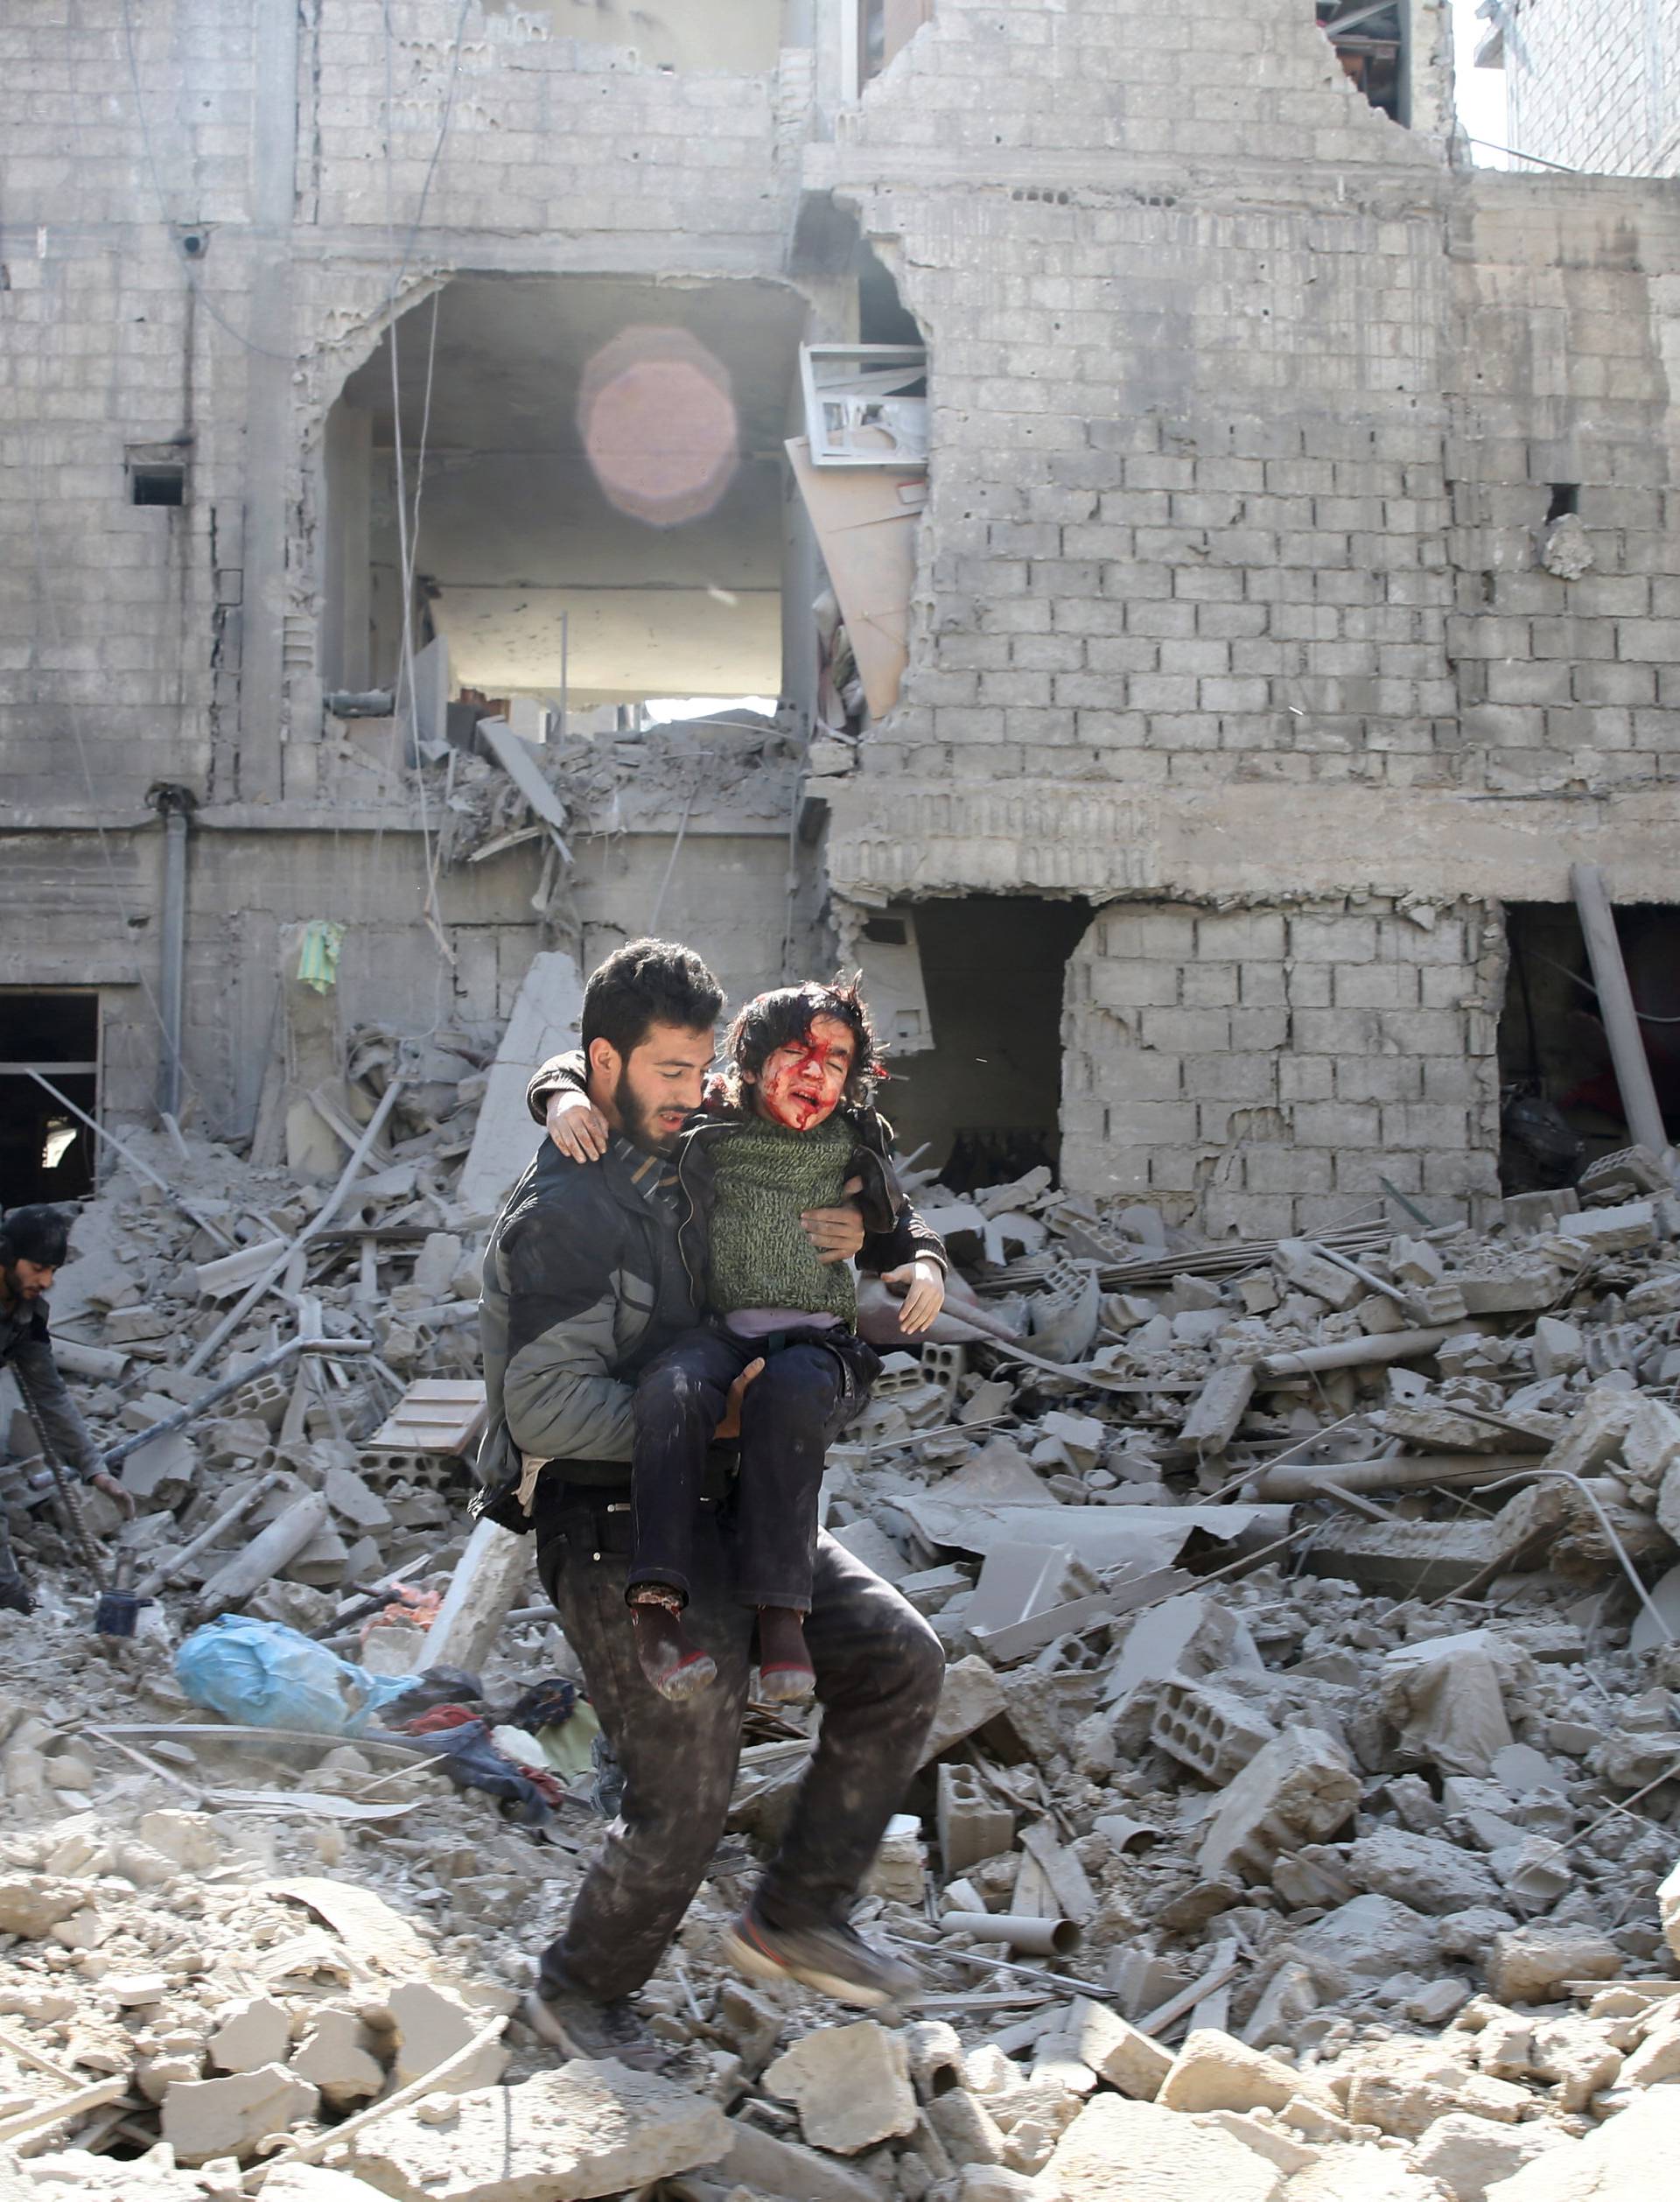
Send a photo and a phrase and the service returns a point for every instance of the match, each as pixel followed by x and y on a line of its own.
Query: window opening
pixel 1560 1107
pixel 1566 499
pixel 157 483
pixel 45 1154
pixel 1369 37
pixel 883 28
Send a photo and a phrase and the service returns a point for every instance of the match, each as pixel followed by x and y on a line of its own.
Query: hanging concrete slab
pixel 545 1021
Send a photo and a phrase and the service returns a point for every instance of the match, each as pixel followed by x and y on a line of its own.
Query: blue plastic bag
pixel 263 1674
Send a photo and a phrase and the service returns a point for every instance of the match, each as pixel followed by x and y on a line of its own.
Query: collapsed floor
pixel 1301 1816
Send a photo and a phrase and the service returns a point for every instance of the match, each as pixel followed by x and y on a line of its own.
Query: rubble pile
pixel 1300 1819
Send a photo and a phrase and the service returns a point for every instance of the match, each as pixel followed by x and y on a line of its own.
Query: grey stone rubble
pixel 1319 1843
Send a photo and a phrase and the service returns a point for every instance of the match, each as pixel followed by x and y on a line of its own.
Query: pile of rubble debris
pixel 1300 1820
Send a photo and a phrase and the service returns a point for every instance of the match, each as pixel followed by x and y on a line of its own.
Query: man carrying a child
pixel 592 1276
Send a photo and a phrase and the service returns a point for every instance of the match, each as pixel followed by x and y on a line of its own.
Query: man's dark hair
pixel 644 984
pixel 39 1234
pixel 785 1013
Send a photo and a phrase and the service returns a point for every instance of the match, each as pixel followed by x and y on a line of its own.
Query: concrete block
pixel 1116 2052
pixel 972 1826
pixel 851 2085
pixel 584 2130
pixel 1613 1230
pixel 1299 1789
pixel 1212 1731
pixel 1302 1270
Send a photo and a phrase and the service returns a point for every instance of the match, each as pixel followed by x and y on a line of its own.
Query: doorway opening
pixel 45 1154
pixel 1560 1107
pixel 985 1099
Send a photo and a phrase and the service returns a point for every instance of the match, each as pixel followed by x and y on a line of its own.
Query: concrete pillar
pixel 267 398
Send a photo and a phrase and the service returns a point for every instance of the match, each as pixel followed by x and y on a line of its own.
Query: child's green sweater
pixel 766 1176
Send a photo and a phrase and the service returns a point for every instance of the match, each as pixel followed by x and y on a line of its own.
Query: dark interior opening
pixel 986 1098
pixel 1560 1106
pixel 1369 37
pixel 157 484
pixel 44 1153
pixel 1565 498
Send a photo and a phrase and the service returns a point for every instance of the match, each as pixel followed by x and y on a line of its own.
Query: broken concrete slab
pixel 1214 2071
pixel 207 2118
pixel 850 2084
pixel 1367 1940
pixel 250 2033
pixel 1445 1698
pixel 544 1022
pixel 1115 2148
pixel 1614 2164
pixel 766 2164
pixel 1299 1789
pixel 1530 1964
pixel 584 2130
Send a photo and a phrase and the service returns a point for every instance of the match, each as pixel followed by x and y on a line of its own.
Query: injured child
pixel 777 1364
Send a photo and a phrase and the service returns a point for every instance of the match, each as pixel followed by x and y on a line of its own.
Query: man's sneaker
pixel 571 2023
pixel 834 1961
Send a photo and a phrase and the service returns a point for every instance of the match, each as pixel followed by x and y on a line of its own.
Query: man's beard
pixel 14 1289
pixel 636 1119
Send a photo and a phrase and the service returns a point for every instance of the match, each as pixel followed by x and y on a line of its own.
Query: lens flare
pixel 656 413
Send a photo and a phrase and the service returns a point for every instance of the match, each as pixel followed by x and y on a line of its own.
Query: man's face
pixel 803 1081
pixel 648 1094
pixel 27 1280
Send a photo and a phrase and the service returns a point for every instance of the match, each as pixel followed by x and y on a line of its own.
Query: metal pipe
pixel 182 1416
pixel 1628 1055
pixel 1039 1938
pixel 173 805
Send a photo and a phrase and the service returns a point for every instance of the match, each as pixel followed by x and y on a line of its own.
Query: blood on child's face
pixel 803 1081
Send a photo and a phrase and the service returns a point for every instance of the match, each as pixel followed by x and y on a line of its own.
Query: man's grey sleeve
pixel 52 1408
pixel 559 1395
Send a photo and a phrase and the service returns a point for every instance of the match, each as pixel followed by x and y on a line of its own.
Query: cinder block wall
pixel 1592 87
pixel 1268 1069
pixel 1240 595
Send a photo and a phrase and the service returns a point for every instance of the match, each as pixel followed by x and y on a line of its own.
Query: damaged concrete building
pixel 1203 555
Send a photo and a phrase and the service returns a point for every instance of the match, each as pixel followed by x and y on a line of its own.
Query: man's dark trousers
pixel 879 1668
pixel 812 1384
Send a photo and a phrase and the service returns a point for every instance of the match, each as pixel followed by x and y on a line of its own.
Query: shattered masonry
pixel 1298 553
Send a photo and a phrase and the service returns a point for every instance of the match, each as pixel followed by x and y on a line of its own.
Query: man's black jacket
pixel 592 1269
